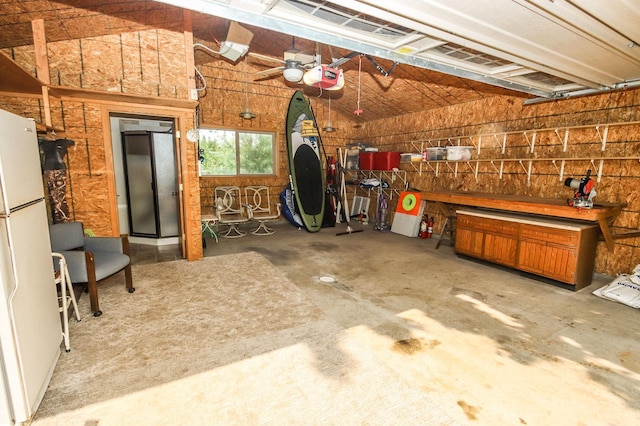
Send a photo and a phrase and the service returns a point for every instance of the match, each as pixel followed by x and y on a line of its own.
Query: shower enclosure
pixel 151 179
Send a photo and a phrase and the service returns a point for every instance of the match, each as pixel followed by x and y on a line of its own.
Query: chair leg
pixel 129 278
pixel 263 229
pixel 92 284
pixel 127 269
pixel 65 310
pixel 233 232
pixel 71 294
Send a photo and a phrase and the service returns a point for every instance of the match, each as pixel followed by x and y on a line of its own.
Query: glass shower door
pixel 166 184
pixel 151 180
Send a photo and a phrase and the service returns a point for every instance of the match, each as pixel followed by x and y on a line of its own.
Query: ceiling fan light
pixel 292 72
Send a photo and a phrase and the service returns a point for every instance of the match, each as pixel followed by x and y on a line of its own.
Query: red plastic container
pixel 386 160
pixel 366 160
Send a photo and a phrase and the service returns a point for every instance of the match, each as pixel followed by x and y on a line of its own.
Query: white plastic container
pixel 459 153
pixel 435 153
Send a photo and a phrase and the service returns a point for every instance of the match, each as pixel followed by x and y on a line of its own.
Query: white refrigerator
pixel 30 327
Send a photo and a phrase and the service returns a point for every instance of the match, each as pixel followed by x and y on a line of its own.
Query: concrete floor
pixel 490 346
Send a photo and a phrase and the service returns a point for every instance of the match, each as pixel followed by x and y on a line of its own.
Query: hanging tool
pixel 343 204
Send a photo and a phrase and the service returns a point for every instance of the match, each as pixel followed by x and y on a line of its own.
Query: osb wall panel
pixel 86 167
pixel 224 99
pixel 462 124
pixel 25 107
pixel 148 62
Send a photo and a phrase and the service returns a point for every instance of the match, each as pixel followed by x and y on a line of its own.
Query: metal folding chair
pixel 67 297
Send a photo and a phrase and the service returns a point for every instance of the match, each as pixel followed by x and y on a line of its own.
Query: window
pixel 231 152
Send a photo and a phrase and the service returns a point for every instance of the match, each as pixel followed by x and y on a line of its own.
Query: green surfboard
pixel 306 162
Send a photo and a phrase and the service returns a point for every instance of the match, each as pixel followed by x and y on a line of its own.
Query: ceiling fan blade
pixel 265 58
pixel 290 55
pixel 306 58
pixel 270 71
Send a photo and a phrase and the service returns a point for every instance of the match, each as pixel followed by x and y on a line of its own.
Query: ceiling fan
pixel 303 67
pixel 307 68
pixel 293 64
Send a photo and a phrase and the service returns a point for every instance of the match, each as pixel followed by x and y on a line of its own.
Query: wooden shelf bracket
pixel 561 169
pixel 598 168
pixel 503 144
pixel 498 170
pixel 532 142
pixel 603 136
pixel 527 170
pixel 564 140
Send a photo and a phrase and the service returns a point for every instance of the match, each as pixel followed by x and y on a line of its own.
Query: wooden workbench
pixel 553 207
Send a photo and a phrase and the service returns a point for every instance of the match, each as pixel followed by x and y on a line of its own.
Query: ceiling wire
pixel 359 111
pixel 246 114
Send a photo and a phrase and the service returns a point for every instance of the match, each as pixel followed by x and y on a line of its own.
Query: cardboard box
pixel 386 160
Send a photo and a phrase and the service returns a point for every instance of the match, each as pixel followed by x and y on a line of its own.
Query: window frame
pixel 238 132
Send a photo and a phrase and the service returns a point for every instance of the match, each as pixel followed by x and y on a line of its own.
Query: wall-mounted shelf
pixel 16 80
pixel 397 180
pixel 525 164
pixel 530 137
pixel 43 128
pixel 562 133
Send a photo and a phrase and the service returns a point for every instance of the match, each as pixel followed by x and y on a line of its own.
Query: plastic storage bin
pixel 352 153
pixel 366 160
pixel 459 153
pixel 435 153
pixel 386 160
pixel 410 157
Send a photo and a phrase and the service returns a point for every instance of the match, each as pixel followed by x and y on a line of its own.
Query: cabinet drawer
pixel 487 224
pixel 550 235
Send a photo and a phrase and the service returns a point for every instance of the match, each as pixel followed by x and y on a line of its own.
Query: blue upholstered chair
pixel 91 259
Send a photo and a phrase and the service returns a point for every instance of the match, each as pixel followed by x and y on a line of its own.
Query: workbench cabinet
pixel 560 250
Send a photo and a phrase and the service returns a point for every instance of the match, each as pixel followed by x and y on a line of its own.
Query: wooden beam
pixel 98 96
pixel 189 54
pixel 628 234
pixel 42 65
pixel 40 44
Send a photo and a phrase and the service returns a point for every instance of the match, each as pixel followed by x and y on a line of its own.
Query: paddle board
pixel 305 162
pixel 289 207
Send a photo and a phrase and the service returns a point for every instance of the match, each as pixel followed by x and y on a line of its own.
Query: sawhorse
pixel 449 224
